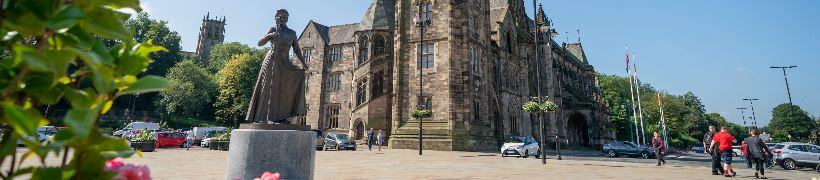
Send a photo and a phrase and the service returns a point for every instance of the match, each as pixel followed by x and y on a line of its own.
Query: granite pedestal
pixel 291 153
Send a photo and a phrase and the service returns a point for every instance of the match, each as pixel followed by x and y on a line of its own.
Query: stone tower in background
pixel 211 32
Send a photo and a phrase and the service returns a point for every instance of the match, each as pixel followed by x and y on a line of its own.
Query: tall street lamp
pixel 743 116
pixel 421 22
pixel 786 78
pixel 752 105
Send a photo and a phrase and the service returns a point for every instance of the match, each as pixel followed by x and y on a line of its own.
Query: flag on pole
pixel 627 59
pixel 659 99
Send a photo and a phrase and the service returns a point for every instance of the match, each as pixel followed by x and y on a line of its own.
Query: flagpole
pixel 638 91
pixel 637 137
pixel 663 122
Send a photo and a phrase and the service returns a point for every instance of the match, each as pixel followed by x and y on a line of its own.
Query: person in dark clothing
pixel 707 140
pixel 657 143
pixel 370 139
pixel 759 153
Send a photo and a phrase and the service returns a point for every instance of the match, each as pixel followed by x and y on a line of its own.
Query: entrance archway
pixel 358 129
pixel 577 131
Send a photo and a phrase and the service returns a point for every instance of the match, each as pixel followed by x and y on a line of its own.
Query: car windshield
pixel 779 146
pixel 514 139
pixel 630 144
pixel 47 133
pixel 342 136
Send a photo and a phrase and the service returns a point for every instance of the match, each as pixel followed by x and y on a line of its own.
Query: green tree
pixel 145 29
pixel 236 83
pixel 791 120
pixel 191 92
pixel 58 54
pixel 616 93
pixel 221 53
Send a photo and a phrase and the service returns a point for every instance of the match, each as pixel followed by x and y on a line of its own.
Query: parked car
pixel 339 141
pixel 210 135
pixel 617 148
pixel 791 155
pixel 698 150
pixel 520 146
pixel 320 140
pixel 40 137
pixel 198 133
pixel 136 126
pixel 174 139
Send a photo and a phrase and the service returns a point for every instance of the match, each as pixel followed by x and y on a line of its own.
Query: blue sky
pixel 719 50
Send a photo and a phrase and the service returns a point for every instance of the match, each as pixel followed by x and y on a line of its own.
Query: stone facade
pixel 478 69
pixel 211 32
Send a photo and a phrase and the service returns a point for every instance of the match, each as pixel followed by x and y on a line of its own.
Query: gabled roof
pixel 578 50
pixel 322 29
pixel 379 16
pixel 341 34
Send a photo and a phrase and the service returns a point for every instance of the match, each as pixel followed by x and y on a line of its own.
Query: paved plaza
pixel 199 163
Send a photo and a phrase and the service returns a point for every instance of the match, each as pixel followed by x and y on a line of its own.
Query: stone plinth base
pixel 291 153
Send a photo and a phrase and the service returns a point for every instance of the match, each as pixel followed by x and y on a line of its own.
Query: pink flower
pixel 113 164
pixel 127 171
pixel 268 176
pixel 133 172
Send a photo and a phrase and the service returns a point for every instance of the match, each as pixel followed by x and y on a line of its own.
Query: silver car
pixel 339 141
pixel 791 155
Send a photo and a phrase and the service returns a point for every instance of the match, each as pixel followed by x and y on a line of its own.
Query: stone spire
pixel 541 18
pixel 379 16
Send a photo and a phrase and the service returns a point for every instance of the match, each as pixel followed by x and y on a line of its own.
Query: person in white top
pixel 380 139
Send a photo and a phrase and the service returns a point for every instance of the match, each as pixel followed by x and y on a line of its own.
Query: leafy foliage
pixel 58 54
pixel 222 53
pixel 421 113
pixel 236 82
pixel 791 120
pixel 191 92
pixel 685 115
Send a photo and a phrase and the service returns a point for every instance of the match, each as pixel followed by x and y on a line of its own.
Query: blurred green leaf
pixel 102 78
pixel 146 84
pixel 21 120
pixel 84 98
pixel 106 23
pixel 47 173
pixel 80 121
pixel 68 17
pixel 26 24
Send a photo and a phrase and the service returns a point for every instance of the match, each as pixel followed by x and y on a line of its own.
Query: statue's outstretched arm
pixel 265 38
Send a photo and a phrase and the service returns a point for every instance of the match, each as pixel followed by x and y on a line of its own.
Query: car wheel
pixel 611 153
pixel 645 155
pixel 538 154
pixel 789 164
pixel 526 153
pixel 337 147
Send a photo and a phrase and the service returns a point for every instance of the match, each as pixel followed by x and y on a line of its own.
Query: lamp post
pixel 421 23
pixel 743 116
pixel 752 105
pixel 540 105
pixel 787 80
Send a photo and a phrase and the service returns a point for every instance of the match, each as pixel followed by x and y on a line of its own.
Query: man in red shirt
pixel 723 140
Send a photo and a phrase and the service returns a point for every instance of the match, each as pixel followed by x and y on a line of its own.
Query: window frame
pixel 428 56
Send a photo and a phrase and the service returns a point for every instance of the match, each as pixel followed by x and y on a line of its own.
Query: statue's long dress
pixel 279 91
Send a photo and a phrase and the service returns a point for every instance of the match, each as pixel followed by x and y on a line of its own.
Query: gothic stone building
pixel 478 61
pixel 211 32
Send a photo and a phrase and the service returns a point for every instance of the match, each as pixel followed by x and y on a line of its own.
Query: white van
pixel 198 133
pixel 137 126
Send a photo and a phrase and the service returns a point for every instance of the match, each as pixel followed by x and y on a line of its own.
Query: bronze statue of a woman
pixel 279 91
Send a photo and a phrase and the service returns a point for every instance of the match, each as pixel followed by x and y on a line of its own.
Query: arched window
pixel 363 46
pixel 378 84
pixel 509 43
pixel 379 45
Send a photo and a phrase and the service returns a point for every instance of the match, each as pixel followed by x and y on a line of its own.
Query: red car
pixel 175 139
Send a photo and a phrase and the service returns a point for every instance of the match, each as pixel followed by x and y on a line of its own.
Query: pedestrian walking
pixel 707 140
pixel 370 139
pixel 723 140
pixel 759 153
pixel 380 139
pixel 744 152
pixel 657 143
